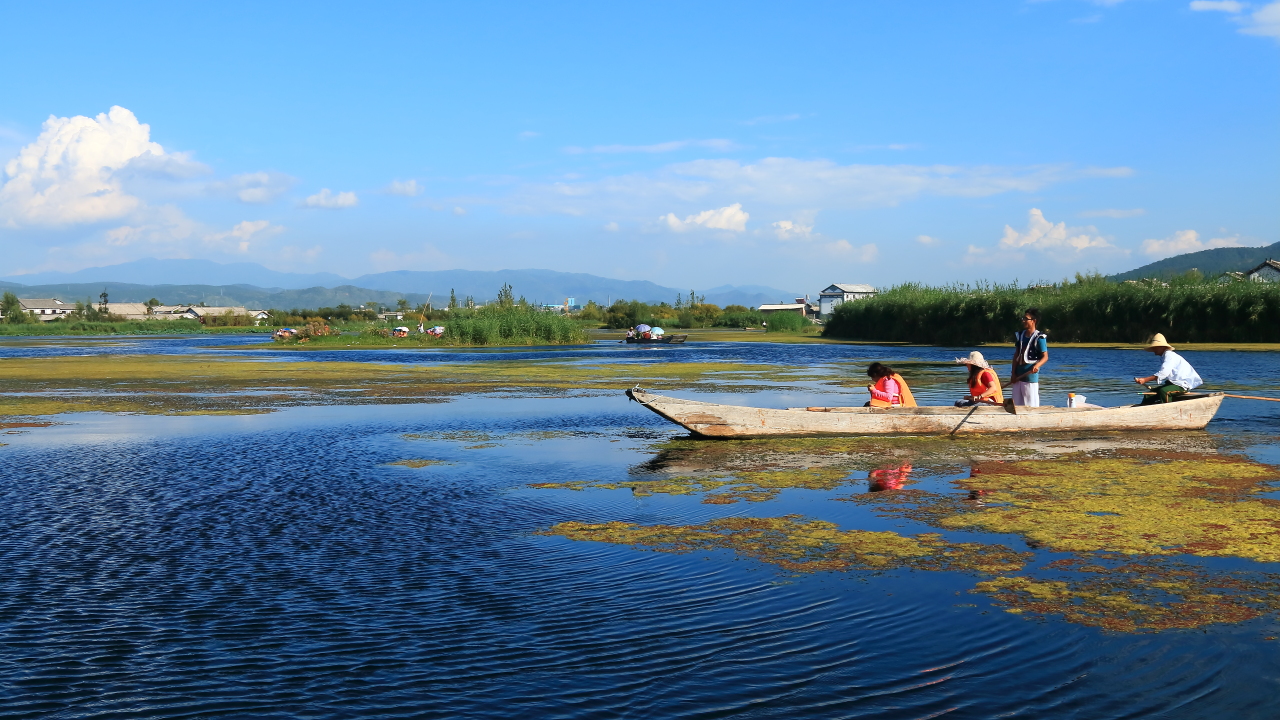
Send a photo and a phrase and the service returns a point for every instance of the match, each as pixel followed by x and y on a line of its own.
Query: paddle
pixel 1251 397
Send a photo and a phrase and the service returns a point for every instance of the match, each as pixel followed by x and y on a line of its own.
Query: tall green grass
pixel 786 322
pixel 512 325
pixel 124 327
pixel 1088 310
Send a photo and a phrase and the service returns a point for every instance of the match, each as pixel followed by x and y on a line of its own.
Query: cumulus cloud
pixel 665 147
pixel 407 188
pixel 1113 213
pixel 458 210
pixel 327 199
pixel 240 236
pixel 792 230
pixel 1044 235
pixel 926 240
pixel 1184 241
pixel 611 227
pixel 732 217
pixel 74 171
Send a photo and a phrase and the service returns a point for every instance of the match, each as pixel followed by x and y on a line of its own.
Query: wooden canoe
pixel 736 421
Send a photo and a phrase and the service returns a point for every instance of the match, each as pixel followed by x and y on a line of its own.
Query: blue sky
pixel 790 145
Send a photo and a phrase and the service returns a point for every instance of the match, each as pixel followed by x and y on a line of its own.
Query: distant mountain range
pixel 250 284
pixel 1210 262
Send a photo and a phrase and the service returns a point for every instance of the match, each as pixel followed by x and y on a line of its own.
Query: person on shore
pixel 984 386
pixel 889 390
pixel 1031 352
pixel 1175 373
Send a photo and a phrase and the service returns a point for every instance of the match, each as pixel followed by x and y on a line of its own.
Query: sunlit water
pixel 278 566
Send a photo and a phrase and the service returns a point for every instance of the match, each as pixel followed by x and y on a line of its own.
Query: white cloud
pixel 792 230
pixel 1264 21
pixel 326 199
pixel 1185 241
pixel 611 227
pixel 862 253
pixel 528 135
pixel 73 172
pixel 926 240
pixel 254 188
pixel 1044 235
pixel 732 217
pixel 407 188
pixel 1113 213
pixel 240 236
pixel 1227 6
pixel 459 210
pixel 789 183
pixel 713 144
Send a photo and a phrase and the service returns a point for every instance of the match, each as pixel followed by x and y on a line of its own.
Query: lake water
pixel 280 566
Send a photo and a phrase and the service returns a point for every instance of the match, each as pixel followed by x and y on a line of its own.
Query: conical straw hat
pixel 1158 341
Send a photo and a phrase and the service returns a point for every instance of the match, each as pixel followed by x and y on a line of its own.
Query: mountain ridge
pixel 128 282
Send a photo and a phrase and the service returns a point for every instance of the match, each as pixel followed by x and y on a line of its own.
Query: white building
pixel 833 295
pixel 47 309
pixel 1268 271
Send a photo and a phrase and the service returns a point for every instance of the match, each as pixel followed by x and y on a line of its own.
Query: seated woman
pixel 984 386
pixel 890 390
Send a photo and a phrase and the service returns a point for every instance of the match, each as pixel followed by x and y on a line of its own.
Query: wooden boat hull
pixel 664 340
pixel 735 421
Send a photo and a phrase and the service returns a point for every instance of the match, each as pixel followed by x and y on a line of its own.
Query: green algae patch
pixel 721 489
pixel 160 384
pixel 418 463
pixel 1201 505
pixel 1133 597
pixel 797 544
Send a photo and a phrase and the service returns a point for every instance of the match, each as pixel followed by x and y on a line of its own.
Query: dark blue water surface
pixel 275 566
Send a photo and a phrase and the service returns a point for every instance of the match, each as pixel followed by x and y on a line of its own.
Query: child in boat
pixel 887 391
pixel 984 386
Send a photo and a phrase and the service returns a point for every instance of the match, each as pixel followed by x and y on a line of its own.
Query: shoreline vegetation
pixel 1090 309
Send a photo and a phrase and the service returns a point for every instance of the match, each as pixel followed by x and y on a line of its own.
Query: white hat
pixel 975 358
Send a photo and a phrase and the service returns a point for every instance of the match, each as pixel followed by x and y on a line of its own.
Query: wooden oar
pixel 1251 397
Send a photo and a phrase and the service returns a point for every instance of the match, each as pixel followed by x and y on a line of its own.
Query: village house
pixel 1268 271
pixel 391 315
pixel 47 309
pixel 198 312
pixel 834 295
pixel 130 311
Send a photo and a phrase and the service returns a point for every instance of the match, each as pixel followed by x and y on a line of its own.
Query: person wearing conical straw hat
pixel 1176 374
pixel 984 386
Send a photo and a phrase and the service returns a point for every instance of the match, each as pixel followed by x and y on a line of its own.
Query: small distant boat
pixel 664 340
pixel 736 421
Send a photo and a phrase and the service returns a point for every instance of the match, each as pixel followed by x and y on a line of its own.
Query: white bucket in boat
pixel 1075 400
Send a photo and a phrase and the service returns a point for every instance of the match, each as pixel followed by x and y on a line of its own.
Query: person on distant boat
pixel 1175 373
pixel 1031 352
pixel 984 386
pixel 657 332
pixel 889 390
pixel 631 332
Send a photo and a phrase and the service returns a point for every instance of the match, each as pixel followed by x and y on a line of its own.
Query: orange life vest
pixel 904 393
pixel 976 386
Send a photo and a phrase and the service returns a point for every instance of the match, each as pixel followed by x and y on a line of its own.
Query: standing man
pixel 1031 352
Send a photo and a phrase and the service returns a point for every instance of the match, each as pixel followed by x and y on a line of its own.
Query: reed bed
pixel 1084 311
pixel 516 325
pixel 89 327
